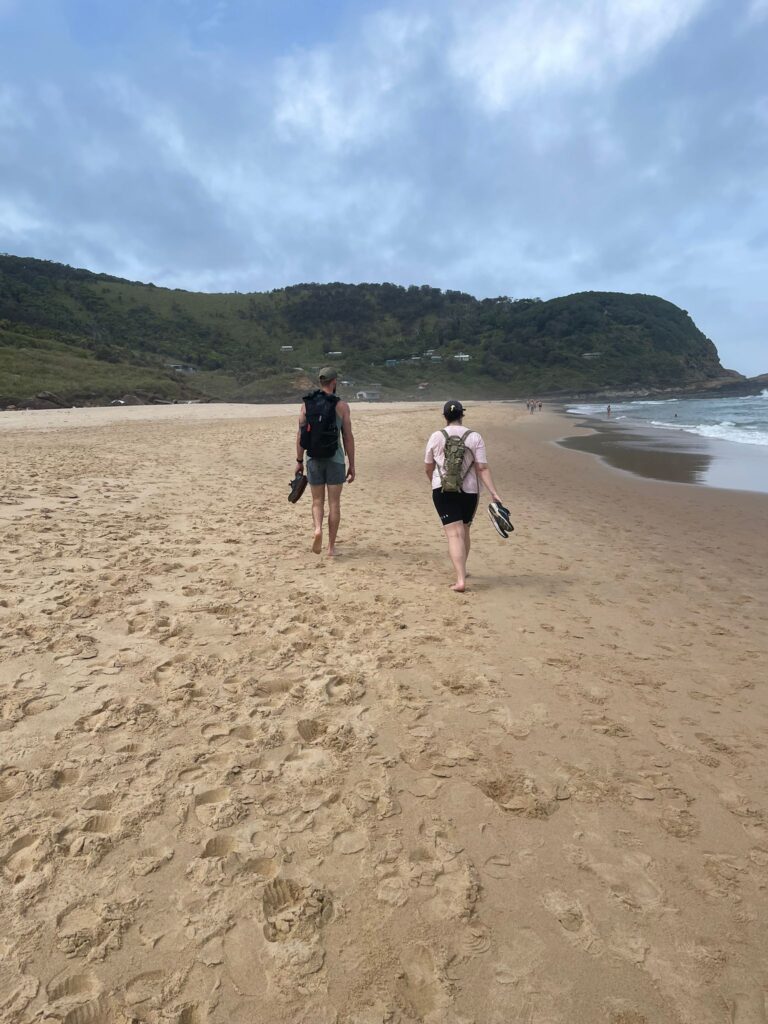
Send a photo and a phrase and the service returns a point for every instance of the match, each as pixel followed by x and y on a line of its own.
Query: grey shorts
pixel 325 471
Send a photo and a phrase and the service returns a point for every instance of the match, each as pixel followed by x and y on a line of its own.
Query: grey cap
pixel 328 373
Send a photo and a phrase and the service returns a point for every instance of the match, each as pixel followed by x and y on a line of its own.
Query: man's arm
pixel 349 438
pixel 299 449
pixel 485 475
pixel 429 469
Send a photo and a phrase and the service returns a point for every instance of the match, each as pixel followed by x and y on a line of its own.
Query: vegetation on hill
pixel 91 337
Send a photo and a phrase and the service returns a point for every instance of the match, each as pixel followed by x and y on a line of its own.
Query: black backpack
pixel 320 434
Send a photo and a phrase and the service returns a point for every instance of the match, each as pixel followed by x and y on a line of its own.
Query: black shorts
pixel 455 506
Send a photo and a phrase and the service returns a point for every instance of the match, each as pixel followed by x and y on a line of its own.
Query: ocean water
pixel 741 420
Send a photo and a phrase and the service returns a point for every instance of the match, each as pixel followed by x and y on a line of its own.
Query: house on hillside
pixel 391 362
pixel 462 357
pixel 368 396
pixel 334 353
pixel 286 348
pixel 182 368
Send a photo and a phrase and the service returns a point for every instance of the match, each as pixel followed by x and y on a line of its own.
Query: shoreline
pixel 669 456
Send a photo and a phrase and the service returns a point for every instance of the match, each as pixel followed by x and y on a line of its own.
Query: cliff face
pixel 91 337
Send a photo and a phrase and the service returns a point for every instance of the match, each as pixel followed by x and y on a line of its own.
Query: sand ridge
pixel 239 782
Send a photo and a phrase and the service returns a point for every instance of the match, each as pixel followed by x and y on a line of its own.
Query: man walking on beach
pixel 325 433
pixel 456 501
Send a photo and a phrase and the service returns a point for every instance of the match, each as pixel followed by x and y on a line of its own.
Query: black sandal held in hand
pixel 298 486
pixel 499 516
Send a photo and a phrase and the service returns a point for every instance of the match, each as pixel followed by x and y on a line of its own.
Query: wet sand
pixel 240 783
pixel 673 456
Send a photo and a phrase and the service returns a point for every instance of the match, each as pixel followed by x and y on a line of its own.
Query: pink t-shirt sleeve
pixel 477 444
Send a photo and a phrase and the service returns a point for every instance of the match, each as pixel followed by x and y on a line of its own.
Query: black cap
pixel 453 410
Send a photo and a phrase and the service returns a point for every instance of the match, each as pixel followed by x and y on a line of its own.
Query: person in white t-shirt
pixel 457 509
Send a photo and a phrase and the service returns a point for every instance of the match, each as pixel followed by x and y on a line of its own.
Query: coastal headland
pixel 242 783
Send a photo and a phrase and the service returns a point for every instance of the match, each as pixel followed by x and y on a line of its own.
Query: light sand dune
pixel 240 783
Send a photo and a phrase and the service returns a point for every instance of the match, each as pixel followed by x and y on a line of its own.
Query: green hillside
pixel 91 338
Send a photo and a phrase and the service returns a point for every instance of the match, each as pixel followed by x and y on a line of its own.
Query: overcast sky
pixel 515 147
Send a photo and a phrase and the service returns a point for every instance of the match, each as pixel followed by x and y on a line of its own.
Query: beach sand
pixel 242 783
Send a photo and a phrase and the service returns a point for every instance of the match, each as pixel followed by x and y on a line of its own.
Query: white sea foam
pixel 724 431
pixel 741 420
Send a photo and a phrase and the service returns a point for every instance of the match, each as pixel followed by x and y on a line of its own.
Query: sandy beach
pixel 240 783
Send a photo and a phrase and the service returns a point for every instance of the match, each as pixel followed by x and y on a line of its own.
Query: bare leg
pixel 318 511
pixel 467 543
pixel 458 554
pixel 334 516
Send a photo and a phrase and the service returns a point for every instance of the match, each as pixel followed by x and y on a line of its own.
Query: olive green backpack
pixel 451 476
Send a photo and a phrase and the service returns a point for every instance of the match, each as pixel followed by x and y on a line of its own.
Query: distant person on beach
pixel 456 508
pixel 325 434
pixel 540 406
pixel 608 411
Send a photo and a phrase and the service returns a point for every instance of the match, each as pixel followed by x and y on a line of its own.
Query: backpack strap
pixel 464 437
pixel 440 473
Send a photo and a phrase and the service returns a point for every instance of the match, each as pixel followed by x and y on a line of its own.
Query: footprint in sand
pixel 220 846
pixel 96 1011
pixel 343 690
pixel 348 843
pixel 294 910
pixel 216 808
pixel 310 729
pixel 143 987
pixel 11 783
pixel 99 802
pixel 418 985
pixel 246 733
pixel 20 859
pixel 37 705
pixel 101 824
pixel 74 986
pixel 575 923
pixel 151 859
pixel 518 792
pixel 242 944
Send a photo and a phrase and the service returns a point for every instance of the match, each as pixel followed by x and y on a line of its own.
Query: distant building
pixel 462 357
pixel 391 362
pixel 429 352
pixel 334 353
pixel 435 359
pixel 286 348
pixel 591 355
pixel 182 368
pixel 421 387
pixel 368 396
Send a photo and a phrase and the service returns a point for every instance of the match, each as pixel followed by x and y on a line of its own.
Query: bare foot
pixel 459 587
pixel 317 543
pixel 331 552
